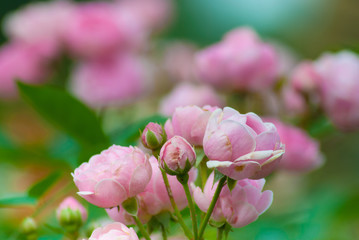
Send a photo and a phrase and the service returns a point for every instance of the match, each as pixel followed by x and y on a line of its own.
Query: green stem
pixel 174 206
pixel 220 233
pixel 142 228
pixel 164 234
pixel 203 226
pixel 190 204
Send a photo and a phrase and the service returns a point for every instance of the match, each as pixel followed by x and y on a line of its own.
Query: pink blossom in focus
pixel 302 153
pixel 238 207
pixel 189 122
pixel 338 86
pixel 114 231
pixel 112 81
pixel 154 199
pixel 113 176
pixel 73 204
pixel 40 24
pixel 241 61
pixel 98 29
pixel 177 156
pixel 188 94
pixel 20 62
pixel 241 145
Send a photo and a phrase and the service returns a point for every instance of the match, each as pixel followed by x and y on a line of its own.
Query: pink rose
pixel 177 156
pixel 98 29
pixel 74 205
pixel 241 145
pixel 304 77
pixel 188 94
pixel 114 231
pixel 302 153
pixel 293 100
pixel 189 122
pixel 112 81
pixel 338 86
pixel 238 207
pixel 113 176
pixel 19 62
pixel 154 199
pixel 241 61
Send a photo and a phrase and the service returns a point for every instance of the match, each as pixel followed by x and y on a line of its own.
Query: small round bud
pixel 153 136
pixel 71 214
pixel 29 228
pixel 177 156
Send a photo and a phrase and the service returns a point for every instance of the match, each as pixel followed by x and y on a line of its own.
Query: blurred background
pixel 322 204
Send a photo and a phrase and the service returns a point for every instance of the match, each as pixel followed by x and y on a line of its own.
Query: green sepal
pixel 217 176
pixel 131 206
pixel 200 155
pixel 231 183
pixel 151 140
pixel 216 224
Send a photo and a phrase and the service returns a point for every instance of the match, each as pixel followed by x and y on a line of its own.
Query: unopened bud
pixel 29 228
pixel 153 136
pixel 71 214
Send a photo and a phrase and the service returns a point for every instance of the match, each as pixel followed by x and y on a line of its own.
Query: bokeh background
pixel 320 205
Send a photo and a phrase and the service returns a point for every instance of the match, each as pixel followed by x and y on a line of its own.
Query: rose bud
pixel 302 153
pixel 177 156
pixel 114 231
pixel 241 145
pixel 238 207
pixel 113 176
pixel 71 214
pixel 29 228
pixel 153 136
pixel 189 122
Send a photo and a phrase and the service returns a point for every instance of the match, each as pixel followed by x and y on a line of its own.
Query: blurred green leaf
pixel 39 188
pixel 130 133
pixel 65 112
pixel 17 200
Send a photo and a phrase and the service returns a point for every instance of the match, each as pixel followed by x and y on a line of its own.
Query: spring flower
pixel 238 207
pixel 154 199
pixel 187 94
pixel 177 156
pixel 153 136
pixel 189 122
pixel 113 176
pixel 241 61
pixel 106 82
pixel 241 145
pixel 114 231
pixel 73 205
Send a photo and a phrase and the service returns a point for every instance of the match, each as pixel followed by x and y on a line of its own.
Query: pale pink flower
pixel 302 153
pixel 338 86
pixel 241 61
pixel 111 81
pixel 187 94
pixel 189 122
pixel 238 207
pixel 113 176
pixel 74 205
pixel 177 156
pixel 304 77
pixel 241 145
pixel 20 62
pixel 114 231
pixel 154 199
pixel 293 100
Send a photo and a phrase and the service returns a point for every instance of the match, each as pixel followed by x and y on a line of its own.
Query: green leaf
pixel 39 188
pixel 65 112
pixel 217 176
pixel 130 133
pixel 200 155
pixel 231 183
pixel 17 200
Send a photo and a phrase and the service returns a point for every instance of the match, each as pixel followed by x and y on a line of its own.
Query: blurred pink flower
pixel 113 176
pixel 241 145
pixel 177 156
pixel 40 24
pixel 241 62
pixel 189 122
pixel 293 100
pixel 238 207
pixel 154 199
pixel 338 85
pixel 98 29
pixel 179 62
pixel 302 153
pixel 73 204
pixel 112 81
pixel 20 62
pixel 304 77
pixel 114 231
pixel 188 94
